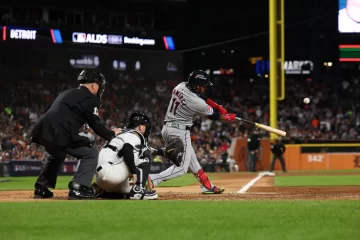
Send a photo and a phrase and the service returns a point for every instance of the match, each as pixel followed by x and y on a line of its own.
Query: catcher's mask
pixel 138 118
pixel 198 78
pixel 90 76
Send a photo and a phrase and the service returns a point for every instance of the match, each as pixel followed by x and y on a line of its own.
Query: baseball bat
pixel 264 127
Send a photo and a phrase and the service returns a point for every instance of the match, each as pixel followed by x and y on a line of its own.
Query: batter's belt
pixel 176 125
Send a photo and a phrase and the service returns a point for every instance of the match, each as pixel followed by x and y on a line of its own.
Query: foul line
pixel 249 184
pixel 252 182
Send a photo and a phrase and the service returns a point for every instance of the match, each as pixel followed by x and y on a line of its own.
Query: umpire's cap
pixel 93 76
pixel 198 78
pixel 139 118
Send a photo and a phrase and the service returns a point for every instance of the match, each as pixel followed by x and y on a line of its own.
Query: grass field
pixel 202 220
pixel 27 183
pixel 338 180
pixel 180 220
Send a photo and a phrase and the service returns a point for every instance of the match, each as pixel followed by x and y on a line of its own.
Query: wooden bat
pixel 264 127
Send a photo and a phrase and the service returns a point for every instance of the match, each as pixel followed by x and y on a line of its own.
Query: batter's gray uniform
pixel 183 107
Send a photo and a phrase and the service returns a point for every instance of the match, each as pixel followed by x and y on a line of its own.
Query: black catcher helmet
pixel 198 78
pixel 138 118
pixel 93 76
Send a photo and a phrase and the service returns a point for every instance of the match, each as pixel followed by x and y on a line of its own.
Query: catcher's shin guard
pixel 207 187
pixel 138 191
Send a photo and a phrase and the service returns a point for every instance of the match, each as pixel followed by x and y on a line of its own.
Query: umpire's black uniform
pixel 58 131
pixel 278 150
pixel 253 150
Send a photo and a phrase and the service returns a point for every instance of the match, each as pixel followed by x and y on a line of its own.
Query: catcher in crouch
pixel 128 157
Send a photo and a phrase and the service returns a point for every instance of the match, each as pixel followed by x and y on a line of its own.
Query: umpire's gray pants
pixel 85 172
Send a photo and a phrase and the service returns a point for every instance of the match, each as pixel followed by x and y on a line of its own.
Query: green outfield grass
pixel 326 171
pixel 163 220
pixel 337 180
pixel 27 183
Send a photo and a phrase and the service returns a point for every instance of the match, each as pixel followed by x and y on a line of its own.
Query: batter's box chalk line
pixel 253 181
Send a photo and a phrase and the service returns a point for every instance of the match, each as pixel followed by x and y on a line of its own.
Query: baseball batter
pixel 126 157
pixel 187 101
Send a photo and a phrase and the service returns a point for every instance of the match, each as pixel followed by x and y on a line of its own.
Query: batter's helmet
pixel 91 76
pixel 198 78
pixel 138 118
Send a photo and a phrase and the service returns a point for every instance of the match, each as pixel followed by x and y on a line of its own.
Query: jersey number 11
pixel 174 106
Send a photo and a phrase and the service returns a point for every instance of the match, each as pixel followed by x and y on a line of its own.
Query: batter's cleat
pixel 80 192
pixel 42 192
pixel 149 185
pixel 152 195
pixel 214 190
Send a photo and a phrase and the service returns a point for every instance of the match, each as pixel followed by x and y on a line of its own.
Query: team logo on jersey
pixel 210 109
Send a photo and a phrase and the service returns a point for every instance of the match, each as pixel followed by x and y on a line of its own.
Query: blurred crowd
pixel 22 103
pixel 135 24
pixel 333 113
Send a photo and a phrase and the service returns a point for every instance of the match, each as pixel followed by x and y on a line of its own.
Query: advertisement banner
pixel 85 61
pixel 296 161
pixel 25 168
pixel 10 33
pixel 57 36
pixel 21 168
pixel 292 67
pixel 121 41
pixel 165 43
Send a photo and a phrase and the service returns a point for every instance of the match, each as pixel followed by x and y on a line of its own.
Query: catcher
pixel 124 162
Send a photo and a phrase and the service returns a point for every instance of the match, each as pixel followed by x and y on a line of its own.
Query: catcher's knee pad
pixel 142 172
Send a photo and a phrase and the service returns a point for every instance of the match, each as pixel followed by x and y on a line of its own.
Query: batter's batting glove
pixel 229 117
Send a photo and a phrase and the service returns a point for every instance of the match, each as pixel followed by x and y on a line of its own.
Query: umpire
pixel 253 150
pixel 278 150
pixel 58 131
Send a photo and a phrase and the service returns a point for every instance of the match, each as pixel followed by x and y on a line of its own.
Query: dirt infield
pixel 261 190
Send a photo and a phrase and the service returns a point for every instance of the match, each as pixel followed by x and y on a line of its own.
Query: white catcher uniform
pixel 112 173
pixel 183 107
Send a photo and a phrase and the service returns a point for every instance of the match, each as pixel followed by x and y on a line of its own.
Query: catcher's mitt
pixel 174 151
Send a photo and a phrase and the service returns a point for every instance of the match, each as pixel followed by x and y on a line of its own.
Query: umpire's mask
pixel 91 76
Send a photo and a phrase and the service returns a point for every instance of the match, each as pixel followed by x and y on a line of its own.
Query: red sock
pixel 203 179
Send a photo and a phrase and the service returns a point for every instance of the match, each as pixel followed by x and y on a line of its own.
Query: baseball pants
pixel 88 160
pixel 189 157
